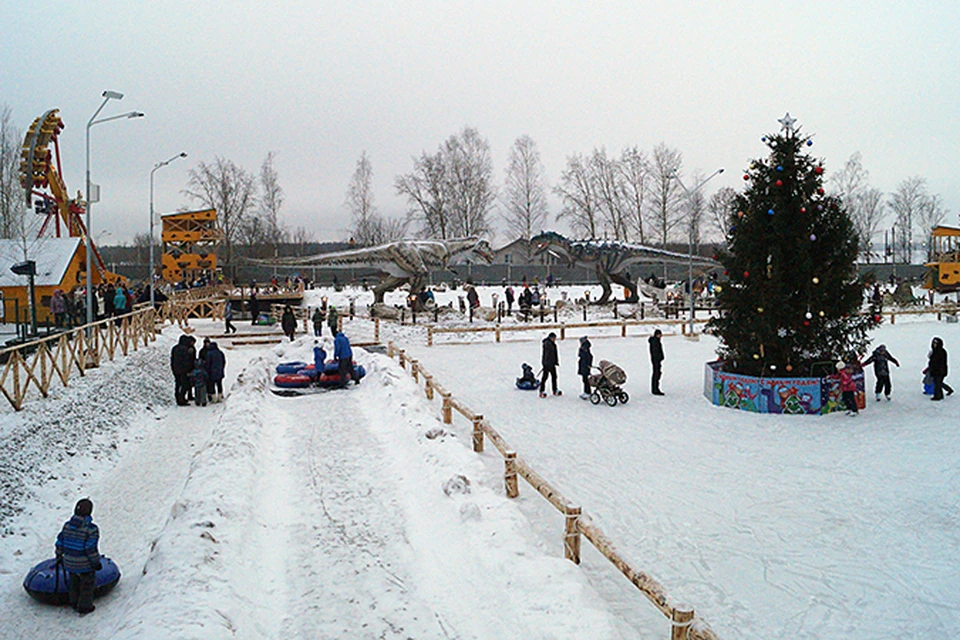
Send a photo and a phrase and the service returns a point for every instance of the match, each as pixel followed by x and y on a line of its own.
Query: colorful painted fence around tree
pixel 811 395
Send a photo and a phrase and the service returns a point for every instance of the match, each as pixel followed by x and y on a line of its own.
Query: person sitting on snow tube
pixel 527 381
pixel 77 551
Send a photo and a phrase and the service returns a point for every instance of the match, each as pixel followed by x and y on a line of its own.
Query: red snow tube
pixel 292 381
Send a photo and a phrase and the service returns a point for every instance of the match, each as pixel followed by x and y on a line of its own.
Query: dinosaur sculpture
pixel 611 259
pixel 401 262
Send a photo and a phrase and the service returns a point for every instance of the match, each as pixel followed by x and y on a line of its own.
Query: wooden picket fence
pixel 684 623
pixel 43 361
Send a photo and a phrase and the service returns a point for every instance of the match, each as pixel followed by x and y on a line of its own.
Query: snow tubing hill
pixel 49 583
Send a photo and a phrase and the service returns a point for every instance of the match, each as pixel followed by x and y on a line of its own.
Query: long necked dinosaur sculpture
pixel 611 259
pixel 401 262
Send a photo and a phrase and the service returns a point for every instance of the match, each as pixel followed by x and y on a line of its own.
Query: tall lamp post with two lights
pixel 689 193
pixel 95 197
pixel 182 154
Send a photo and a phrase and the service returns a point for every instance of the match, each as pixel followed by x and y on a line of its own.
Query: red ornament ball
pixel 725 272
pixel 818 170
pixel 779 183
pixel 746 177
pixel 806 323
pixel 803 209
pixel 820 191
pixel 876 318
pixel 746 274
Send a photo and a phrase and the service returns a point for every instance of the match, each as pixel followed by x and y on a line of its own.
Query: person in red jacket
pixel 848 388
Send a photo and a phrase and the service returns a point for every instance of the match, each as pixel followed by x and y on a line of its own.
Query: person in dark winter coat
pixel 508 294
pixel 215 365
pixel 288 322
pixel 319 316
pixel 228 318
pixel 584 362
pixel 254 306
pixel 181 362
pixel 848 388
pixel 343 354
pixel 550 360
pixel 333 320
pixel 77 550
pixel 937 369
pixel 881 359
pixel 319 358
pixel 656 359
pixel 473 297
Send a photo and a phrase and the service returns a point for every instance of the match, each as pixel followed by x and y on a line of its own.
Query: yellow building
pixel 61 264
pixel 190 240
pixel 943 270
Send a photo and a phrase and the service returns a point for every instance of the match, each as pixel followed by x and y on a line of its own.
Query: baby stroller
pixel 606 384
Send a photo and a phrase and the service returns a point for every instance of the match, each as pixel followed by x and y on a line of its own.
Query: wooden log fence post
pixel 447 408
pixel 429 336
pixel 623 329
pixel 478 433
pixel 571 536
pixel 497 332
pixel 428 385
pixel 403 359
pixel 510 474
pixel 415 370
pixel 563 332
pixel 681 622
pixel 376 330
pixel 390 349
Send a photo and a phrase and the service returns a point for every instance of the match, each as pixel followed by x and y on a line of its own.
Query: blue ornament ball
pixel 809 143
pixel 732 229
pixel 779 168
pixel 763 139
pixel 769 212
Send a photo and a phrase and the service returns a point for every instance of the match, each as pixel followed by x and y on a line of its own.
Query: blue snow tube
pixel 49 582
pixel 290 367
pixel 527 385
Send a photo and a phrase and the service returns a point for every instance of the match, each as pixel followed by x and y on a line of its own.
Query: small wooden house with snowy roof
pixel 61 264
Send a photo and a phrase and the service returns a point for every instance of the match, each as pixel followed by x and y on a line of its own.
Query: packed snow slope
pixel 770 526
pixel 346 514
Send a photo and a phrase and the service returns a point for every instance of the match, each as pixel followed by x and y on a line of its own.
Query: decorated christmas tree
pixel 792 305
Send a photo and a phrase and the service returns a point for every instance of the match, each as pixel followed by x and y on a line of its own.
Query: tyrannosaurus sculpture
pixel 400 262
pixel 611 259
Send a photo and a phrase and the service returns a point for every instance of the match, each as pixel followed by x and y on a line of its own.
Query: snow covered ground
pixel 326 516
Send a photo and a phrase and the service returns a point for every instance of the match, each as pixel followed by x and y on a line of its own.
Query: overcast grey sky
pixel 319 82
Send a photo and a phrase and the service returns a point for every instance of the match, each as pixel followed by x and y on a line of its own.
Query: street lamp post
pixel 689 193
pixel 91 198
pixel 182 154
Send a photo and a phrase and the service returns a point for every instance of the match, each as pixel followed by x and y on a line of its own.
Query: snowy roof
pixel 52 256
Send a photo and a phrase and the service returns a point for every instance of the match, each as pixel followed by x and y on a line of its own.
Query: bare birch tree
pixel 424 188
pixel 271 201
pixel 666 195
pixel 231 190
pixel 863 203
pixel 635 181
pixel 360 203
pixel 576 191
pixel 524 197
pixel 469 182
pixel 720 210
pixel 608 187
pixel 906 203
pixel 13 203
pixel 696 211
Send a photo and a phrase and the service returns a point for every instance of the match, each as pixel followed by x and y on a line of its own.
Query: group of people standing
pixel 197 376
pixel 550 360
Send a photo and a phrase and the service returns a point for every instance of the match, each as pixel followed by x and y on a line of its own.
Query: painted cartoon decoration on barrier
pixel 796 396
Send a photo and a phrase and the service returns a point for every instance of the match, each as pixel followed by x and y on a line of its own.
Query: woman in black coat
pixel 937 368
pixel 288 322
pixel 584 362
